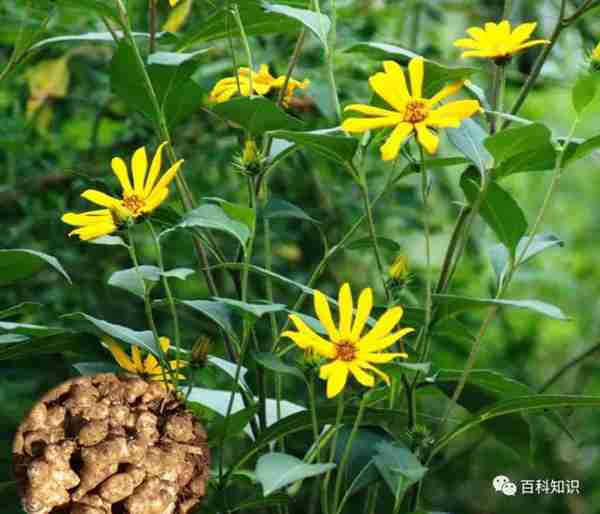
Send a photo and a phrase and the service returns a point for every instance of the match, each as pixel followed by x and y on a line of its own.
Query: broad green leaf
pixel 468 139
pixel 277 470
pixel 256 21
pixel 216 311
pixel 29 330
pixel 522 404
pixel 54 342
pixel 88 37
pixel 499 210
pixel 237 211
pixel 279 209
pixel 256 310
pixel 436 75
pixel 18 264
pixel 584 91
pixel 318 24
pixel 93 368
pixel 579 149
pixel 274 363
pixel 366 242
pixel 108 241
pixel 13 339
pixel 138 280
pixel 336 148
pixel 143 339
pixel 175 59
pixel 398 368
pixel 522 149
pixel 225 428
pixel 20 309
pixel 398 466
pixel 214 217
pixel 260 503
pixel 257 115
pixel 450 305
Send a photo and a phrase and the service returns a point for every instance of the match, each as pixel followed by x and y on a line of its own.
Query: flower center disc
pixel 416 111
pixel 134 203
pixel 345 351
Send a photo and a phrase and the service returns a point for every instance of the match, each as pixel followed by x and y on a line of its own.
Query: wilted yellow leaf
pixel 47 79
pixel 178 16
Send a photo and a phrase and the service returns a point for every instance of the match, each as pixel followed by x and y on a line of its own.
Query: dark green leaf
pixel 216 311
pixel 93 368
pixel 398 466
pixel 318 24
pixel 138 280
pixel 579 149
pixel 277 209
pixel 54 342
pixel 366 242
pixel 225 428
pixel 256 310
pixel 257 115
pixel 104 8
pixel 468 139
pixel 260 503
pixel 29 330
pixel 274 363
pixel 336 148
pixel 499 210
pixel 20 309
pixel 18 264
pixel 90 37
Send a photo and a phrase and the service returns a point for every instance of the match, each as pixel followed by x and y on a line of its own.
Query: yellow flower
pixel 347 348
pixel 595 55
pixel 497 41
pixel 146 194
pixel 173 3
pixel 262 84
pixel 399 269
pixel 411 112
pixel 149 368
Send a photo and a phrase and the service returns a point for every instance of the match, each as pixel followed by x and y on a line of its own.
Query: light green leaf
pixel 584 91
pixel 89 37
pixel 256 310
pixel 175 58
pixel 279 209
pixel 398 466
pixel 468 139
pixel 225 428
pixel 257 115
pixel 93 368
pixel 277 470
pixel 108 241
pixel 18 264
pixel 29 330
pixel 579 149
pixel 214 310
pixel 318 24
pixel 334 147
pixel 499 210
pixel 137 281
pixel 20 309
pixel 450 305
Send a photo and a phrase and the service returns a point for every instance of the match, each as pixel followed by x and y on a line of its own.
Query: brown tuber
pixel 110 445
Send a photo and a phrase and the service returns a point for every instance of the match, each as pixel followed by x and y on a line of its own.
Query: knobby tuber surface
pixel 110 445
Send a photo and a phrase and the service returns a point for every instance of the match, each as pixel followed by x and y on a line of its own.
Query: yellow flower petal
pixel 466 43
pixel 120 356
pixel 416 70
pixel 391 148
pixel 445 92
pixel 364 124
pixel 139 167
pixel 150 363
pixel 164 343
pixel 459 109
pixel 137 359
pixel 362 376
pixel 169 175
pixel 477 33
pixel 319 344
pixel 324 314
pixel 87 218
pixel 363 311
pixel 383 327
pixel 397 75
pixel 381 358
pixel 386 88
pixel 100 198
pixel 376 345
pixel 503 30
pixel 89 232
pixel 336 379
pixel 366 365
pixel 120 170
pixel 370 110
pixel 155 199
pixel 427 138
pixel 522 33
pixel 154 171
pixel 346 307
pixel 534 42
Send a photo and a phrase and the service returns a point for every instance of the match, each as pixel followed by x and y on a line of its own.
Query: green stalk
pixel 240 25
pixel 170 299
pixel 427 227
pixel 336 428
pixel 329 55
pixel 152 25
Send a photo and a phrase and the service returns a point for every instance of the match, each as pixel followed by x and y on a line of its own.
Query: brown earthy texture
pixel 110 445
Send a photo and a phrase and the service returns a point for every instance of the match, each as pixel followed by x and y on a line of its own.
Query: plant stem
pixel 427 228
pixel 170 300
pixel 310 383
pixel 338 424
pixel 566 367
pixel 152 25
pixel 240 25
pixel 497 95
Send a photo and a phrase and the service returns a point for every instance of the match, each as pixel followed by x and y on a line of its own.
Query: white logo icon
pixel 502 484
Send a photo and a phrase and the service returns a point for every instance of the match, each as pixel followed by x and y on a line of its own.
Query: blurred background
pixel 60 125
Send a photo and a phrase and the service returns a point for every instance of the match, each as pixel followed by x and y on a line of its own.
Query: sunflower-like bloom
pixel 496 41
pixel 411 112
pixel 262 84
pixel 348 350
pixel 149 368
pixel 140 197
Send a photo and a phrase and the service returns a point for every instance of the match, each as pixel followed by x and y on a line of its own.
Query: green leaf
pixel 17 264
pixel 257 22
pixel 93 368
pixel 260 503
pixel 579 149
pixel 108 241
pixel 256 310
pixel 318 24
pixel 523 404
pixel 175 59
pixel 584 91
pixel 450 305
pixel 436 75
pixel 225 428
pixel 277 470
pixel 237 211
pixel 257 115
pixel 216 311
pixel 468 139
pixel 88 37
pixel 138 280
pixel 13 338
pixel 279 209
pixel 271 361
pixel 20 309
pixel 29 330
pixel 339 149
pixel 398 466
pixel 499 210
pixel 213 217
pixel 366 242
pixel 103 8
pixel 521 149
pixel 53 342
pixel 143 339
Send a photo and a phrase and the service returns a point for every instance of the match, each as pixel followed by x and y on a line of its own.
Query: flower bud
pixel 200 351
pixel 399 269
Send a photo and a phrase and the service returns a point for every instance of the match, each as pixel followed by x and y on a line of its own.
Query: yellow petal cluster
pixel 409 112
pixel 149 368
pixel 143 192
pixel 347 347
pixel 262 84
pixel 497 41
